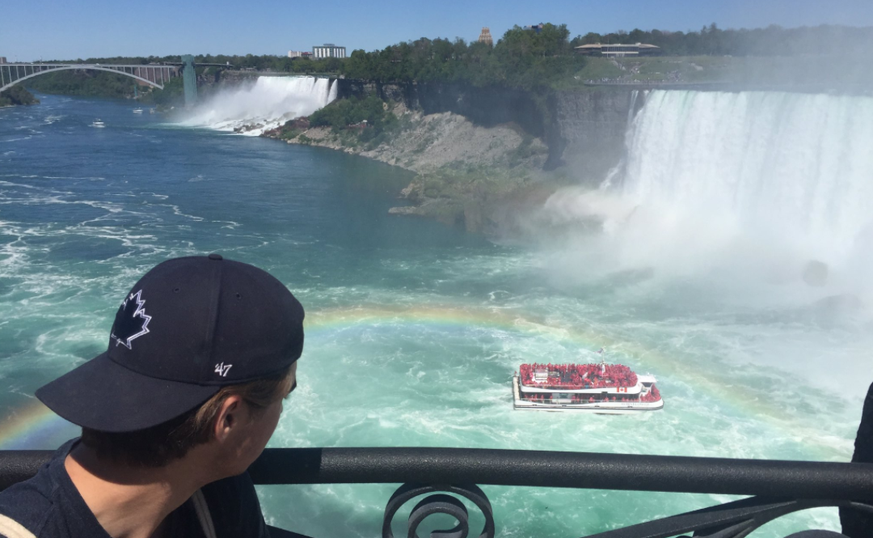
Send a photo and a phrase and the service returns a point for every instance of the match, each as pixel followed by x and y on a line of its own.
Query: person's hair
pixel 159 445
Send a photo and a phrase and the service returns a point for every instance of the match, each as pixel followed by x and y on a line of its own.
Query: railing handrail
pixel 771 478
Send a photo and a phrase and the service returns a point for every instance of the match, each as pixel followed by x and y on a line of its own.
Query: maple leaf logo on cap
pixel 131 322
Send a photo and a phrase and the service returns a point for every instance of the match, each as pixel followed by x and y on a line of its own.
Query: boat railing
pixel 453 478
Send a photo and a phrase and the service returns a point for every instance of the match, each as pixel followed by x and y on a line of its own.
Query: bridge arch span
pixel 51 68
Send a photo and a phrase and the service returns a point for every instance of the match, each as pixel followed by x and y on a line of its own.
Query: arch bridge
pixel 153 75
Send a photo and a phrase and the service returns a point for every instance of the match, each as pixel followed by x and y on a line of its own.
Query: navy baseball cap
pixel 188 327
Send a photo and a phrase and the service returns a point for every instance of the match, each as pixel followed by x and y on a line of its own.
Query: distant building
pixel 636 49
pixel 328 50
pixel 296 53
pixel 535 27
pixel 2 59
pixel 485 36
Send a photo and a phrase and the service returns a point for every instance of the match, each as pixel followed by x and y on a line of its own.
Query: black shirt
pixel 50 506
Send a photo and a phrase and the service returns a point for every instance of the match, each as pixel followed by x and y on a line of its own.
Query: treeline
pixel 522 58
pixel 128 60
pixel 282 64
pixel 770 41
pixel 86 83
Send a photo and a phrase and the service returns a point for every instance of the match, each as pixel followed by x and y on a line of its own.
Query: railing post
pixel 858 524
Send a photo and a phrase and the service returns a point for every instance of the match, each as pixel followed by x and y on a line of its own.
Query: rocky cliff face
pixel 486 107
pixel 588 129
pixel 584 129
pixel 480 153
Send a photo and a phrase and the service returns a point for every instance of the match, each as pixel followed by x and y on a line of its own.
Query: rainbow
pixel 33 425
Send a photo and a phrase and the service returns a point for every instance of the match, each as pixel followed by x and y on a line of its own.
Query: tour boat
pixel 598 388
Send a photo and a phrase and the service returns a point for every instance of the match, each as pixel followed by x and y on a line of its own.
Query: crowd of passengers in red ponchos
pixel 582 376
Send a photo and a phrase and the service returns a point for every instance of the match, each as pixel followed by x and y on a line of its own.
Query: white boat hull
pixel 603 408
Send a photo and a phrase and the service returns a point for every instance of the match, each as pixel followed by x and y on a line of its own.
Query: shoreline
pixel 466 175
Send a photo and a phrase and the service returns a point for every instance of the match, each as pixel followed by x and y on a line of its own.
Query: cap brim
pixel 104 396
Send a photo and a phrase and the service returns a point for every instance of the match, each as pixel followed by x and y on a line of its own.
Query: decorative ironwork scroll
pixel 439 504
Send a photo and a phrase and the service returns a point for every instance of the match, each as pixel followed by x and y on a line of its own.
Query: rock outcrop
pixel 480 150
pixel 583 129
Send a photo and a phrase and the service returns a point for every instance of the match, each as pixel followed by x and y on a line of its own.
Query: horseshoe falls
pixel 253 108
pixel 728 257
pixel 794 170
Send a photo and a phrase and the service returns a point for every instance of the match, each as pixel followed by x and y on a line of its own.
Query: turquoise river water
pixel 414 329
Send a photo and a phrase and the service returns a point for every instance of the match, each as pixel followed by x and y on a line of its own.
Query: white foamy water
pixel 753 185
pixel 793 166
pixel 264 105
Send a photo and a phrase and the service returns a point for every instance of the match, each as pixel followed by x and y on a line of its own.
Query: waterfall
pixel 617 170
pixel 331 93
pixel 266 104
pixel 631 110
pixel 790 171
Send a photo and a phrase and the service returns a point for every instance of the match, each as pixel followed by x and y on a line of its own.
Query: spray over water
pixel 754 184
pixel 739 229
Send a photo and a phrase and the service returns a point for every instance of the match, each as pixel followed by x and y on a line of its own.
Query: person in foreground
pixel 201 354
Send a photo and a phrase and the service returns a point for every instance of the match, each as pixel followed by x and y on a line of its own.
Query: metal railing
pixel 775 487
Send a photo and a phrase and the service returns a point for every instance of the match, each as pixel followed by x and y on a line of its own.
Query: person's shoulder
pixel 33 503
pixel 23 511
pixel 29 503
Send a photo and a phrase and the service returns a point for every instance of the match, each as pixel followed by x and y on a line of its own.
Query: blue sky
pixel 62 29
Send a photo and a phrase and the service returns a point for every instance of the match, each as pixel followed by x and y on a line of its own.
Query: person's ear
pixel 228 418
